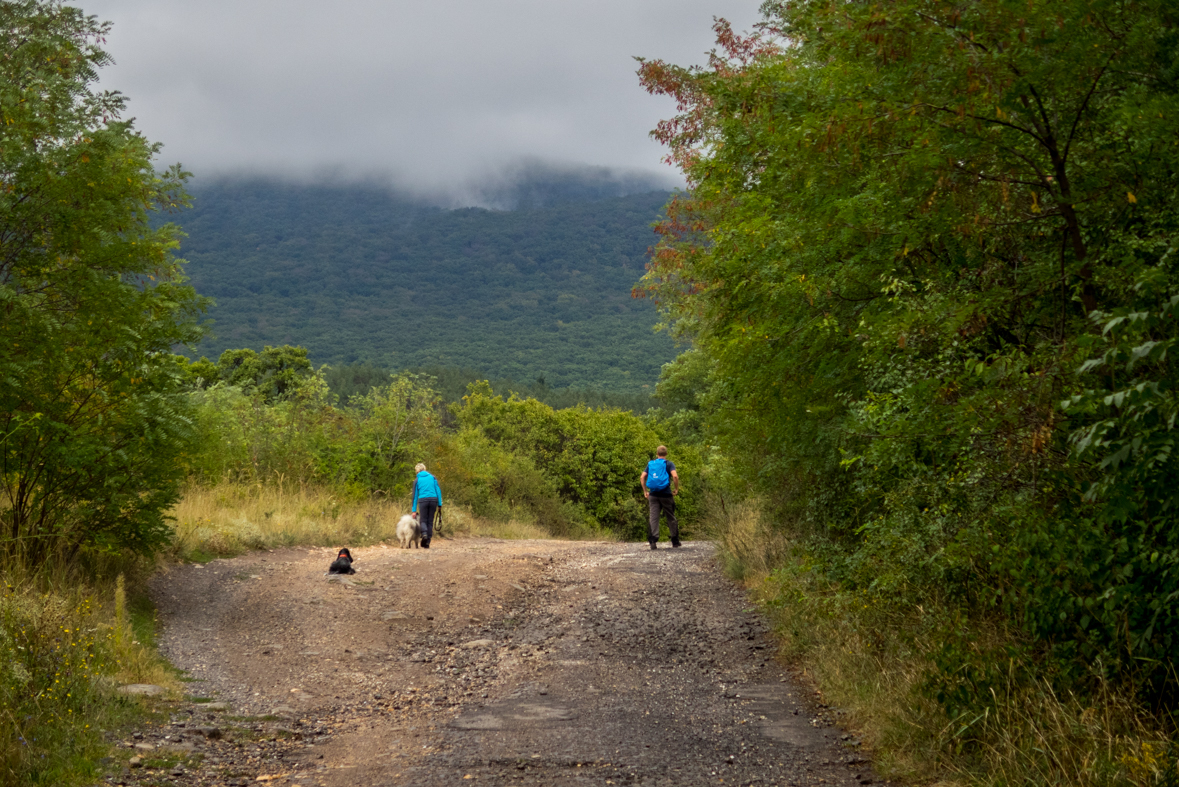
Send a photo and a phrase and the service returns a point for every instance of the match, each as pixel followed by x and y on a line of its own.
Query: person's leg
pixel 673 524
pixel 653 509
pixel 426 508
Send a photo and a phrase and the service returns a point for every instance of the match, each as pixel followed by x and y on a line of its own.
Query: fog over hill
pixel 536 184
pixel 361 272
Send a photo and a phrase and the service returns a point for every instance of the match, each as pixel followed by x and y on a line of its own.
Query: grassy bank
pixel 67 641
pixel 227 519
pixel 910 680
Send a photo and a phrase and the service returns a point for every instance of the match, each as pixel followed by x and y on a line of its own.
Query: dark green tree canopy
pixel 929 252
pixel 275 373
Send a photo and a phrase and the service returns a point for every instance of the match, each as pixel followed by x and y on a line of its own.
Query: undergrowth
pixel 939 695
pixel 67 641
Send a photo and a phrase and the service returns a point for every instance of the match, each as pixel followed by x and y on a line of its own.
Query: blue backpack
pixel 658 478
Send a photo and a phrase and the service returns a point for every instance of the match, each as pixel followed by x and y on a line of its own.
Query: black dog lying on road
pixel 342 564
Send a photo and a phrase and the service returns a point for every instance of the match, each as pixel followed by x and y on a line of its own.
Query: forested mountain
pixel 356 273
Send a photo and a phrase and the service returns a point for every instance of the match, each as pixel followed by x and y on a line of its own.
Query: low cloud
pixel 440 97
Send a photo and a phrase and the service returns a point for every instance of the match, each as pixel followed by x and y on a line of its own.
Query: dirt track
pixel 485 662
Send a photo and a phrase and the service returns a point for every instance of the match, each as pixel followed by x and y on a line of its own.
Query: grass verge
pixel 939 697
pixel 67 641
pixel 228 519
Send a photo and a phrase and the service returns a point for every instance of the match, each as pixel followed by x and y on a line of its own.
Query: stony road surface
pixel 481 662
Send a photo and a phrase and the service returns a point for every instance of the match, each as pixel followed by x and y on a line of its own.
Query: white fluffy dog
pixel 409 531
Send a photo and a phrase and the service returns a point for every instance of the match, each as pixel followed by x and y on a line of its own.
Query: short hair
pixel 661 451
pixel 419 467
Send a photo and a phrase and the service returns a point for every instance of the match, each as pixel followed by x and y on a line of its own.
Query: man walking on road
pixel 661 483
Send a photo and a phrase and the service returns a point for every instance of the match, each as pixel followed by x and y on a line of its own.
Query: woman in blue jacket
pixel 428 495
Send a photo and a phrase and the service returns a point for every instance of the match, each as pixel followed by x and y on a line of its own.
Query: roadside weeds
pixel 67 642
pixel 910 680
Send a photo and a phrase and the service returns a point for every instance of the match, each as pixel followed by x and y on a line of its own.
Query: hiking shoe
pixel 653 545
pixel 425 543
pixel 675 542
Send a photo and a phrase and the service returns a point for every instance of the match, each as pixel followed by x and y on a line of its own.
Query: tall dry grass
pixel 229 518
pixel 877 662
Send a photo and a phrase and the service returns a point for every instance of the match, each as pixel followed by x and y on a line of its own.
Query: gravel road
pixel 481 661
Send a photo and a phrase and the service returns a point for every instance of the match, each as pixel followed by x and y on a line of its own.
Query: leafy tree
pixel 682 391
pixel 93 301
pixel 903 219
pixel 500 484
pixel 366 447
pixel 389 424
pixel 275 373
pixel 200 373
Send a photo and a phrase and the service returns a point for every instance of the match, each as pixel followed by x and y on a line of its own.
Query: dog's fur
pixel 409 531
pixel 342 564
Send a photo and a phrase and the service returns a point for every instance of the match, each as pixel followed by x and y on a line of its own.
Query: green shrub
pixel 501 485
pixel 593 457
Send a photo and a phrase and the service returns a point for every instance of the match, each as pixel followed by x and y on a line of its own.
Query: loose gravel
pixel 480 661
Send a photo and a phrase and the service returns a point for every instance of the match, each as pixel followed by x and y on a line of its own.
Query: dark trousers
pixel 657 506
pixel 427 507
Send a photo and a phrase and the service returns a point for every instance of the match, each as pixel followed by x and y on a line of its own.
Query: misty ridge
pixel 520 185
pixel 534 282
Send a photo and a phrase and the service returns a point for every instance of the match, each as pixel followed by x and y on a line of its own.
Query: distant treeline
pixel 360 275
pixel 357 379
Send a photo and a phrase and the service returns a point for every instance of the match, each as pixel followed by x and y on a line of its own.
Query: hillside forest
pixel 363 275
pixel 922 285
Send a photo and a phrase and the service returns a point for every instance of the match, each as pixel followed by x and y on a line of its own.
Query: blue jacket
pixel 426 485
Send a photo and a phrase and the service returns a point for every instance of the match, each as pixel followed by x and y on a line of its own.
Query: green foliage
pixel 348 380
pixel 275 374
pixel 900 222
pixel 368 447
pixel 593 456
pixel 568 471
pixel 91 418
pixel 1113 593
pixel 388 427
pixel 359 275
pixel 681 393
pixel 497 484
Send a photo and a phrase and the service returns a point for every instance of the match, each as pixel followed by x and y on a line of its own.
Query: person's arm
pixel 676 478
pixel 415 496
pixel 643 483
pixel 438 486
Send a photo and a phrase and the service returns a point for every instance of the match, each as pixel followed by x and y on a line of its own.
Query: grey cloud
pixel 433 95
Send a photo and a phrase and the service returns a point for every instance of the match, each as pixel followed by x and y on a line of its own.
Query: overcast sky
pixel 433 93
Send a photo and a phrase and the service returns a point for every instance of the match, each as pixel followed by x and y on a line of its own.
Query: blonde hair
pixel 661 451
pixel 419 467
